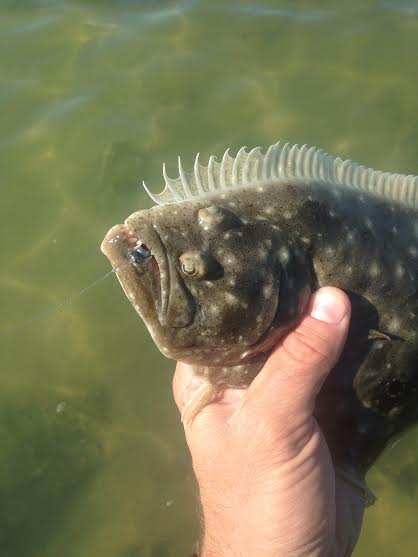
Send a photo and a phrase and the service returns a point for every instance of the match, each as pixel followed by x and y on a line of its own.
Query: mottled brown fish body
pixel 220 277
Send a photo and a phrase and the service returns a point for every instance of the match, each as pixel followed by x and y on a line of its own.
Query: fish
pixel 223 266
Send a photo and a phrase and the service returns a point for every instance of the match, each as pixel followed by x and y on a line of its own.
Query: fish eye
pixel 188 268
pixel 195 264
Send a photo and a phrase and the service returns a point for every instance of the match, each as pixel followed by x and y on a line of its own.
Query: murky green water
pixel 95 95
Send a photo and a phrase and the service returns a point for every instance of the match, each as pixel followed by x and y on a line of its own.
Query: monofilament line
pixel 60 305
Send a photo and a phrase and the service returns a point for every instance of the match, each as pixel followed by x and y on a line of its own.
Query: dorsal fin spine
pixel 316 164
pixel 254 160
pixel 211 181
pixel 291 160
pixel 308 167
pixel 246 169
pixel 390 184
pixel 184 180
pixel 169 185
pixel 282 162
pixel 294 160
pixel 302 161
pixel 356 175
pixel 235 176
pixel 348 171
pixel 222 177
pixel 412 193
pixel 265 168
pixel 197 176
pixel 274 161
pixel 382 181
pixel 154 197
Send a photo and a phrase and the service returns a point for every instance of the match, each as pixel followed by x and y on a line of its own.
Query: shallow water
pixel 94 96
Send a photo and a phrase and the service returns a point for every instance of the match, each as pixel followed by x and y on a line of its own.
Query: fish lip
pixel 151 237
pixel 118 245
pixel 164 268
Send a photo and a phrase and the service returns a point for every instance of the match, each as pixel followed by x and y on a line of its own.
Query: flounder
pixel 224 264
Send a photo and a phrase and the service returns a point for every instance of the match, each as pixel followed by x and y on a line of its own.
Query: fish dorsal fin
pixel 283 162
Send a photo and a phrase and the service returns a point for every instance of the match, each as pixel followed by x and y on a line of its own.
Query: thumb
pixel 294 373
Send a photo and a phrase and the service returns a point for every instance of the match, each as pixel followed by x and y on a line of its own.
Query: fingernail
pixel 328 308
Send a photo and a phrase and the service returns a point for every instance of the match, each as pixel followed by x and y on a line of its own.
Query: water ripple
pixel 260 11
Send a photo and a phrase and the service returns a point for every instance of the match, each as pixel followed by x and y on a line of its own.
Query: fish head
pixel 205 283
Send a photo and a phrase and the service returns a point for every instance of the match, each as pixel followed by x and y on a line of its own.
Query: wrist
pixel 222 531
pixel 228 533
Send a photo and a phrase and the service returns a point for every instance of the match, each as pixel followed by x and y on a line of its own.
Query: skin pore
pixel 266 480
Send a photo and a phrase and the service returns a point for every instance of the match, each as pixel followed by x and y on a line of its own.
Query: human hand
pixel 266 479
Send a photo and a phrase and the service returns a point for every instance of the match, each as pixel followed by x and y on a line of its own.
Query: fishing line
pixel 60 305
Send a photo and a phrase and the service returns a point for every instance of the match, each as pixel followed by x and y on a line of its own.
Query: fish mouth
pixel 139 258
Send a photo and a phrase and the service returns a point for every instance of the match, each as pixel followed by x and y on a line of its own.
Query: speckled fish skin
pixel 260 252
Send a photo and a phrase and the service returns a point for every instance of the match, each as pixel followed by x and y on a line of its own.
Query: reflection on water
pixel 94 97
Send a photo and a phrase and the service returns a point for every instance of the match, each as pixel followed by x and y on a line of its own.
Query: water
pixel 94 96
